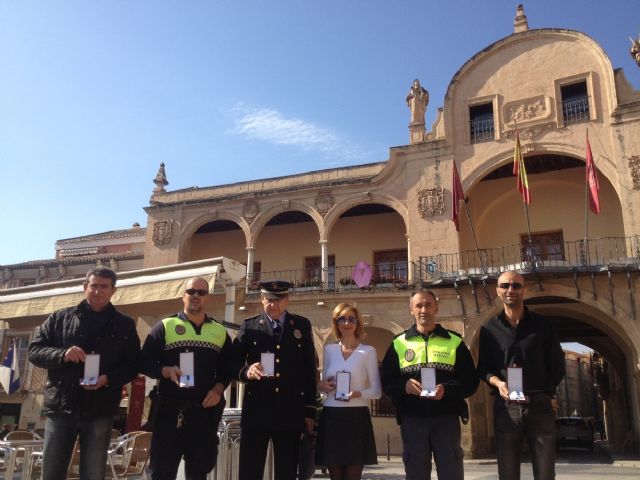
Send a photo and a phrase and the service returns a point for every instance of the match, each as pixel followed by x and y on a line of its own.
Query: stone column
pixel 410 264
pixel 324 263
pixel 249 279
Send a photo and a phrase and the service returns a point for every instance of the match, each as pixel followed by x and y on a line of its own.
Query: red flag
pixel 520 171
pixel 592 181
pixel 457 194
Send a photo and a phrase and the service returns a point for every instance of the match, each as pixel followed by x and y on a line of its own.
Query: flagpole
pixel 524 203
pixel 457 187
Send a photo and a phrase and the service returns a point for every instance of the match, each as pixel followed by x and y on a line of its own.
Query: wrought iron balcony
pixel 482 130
pixel 384 276
pixel 592 255
pixel 575 110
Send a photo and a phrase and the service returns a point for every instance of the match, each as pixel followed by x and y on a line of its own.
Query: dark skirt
pixel 345 437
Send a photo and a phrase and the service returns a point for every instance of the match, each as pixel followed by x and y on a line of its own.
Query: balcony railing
pixel 482 130
pixel 575 110
pixel 385 276
pixel 593 255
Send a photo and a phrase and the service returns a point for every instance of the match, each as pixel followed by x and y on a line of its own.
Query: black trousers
pixel 196 440
pixel 253 453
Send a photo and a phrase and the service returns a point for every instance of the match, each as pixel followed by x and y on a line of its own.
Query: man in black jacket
pixel 429 423
pixel 281 405
pixel 61 345
pixel 519 338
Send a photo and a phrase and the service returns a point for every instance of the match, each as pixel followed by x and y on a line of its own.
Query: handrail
pixel 592 255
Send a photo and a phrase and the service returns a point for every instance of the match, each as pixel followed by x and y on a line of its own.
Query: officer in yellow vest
pixel 429 422
pixel 190 392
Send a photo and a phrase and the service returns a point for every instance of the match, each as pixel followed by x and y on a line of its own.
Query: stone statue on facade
pixel 417 101
pixel 635 50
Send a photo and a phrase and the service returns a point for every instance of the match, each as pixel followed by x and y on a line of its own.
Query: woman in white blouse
pixel 345 435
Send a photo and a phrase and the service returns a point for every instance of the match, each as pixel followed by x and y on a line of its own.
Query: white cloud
pixel 271 126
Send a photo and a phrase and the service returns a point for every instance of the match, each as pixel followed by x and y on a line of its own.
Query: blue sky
pixel 95 94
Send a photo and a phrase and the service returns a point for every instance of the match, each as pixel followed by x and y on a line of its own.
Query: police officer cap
pixel 275 288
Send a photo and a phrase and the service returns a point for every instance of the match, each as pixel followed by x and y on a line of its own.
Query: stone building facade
pixel 322 229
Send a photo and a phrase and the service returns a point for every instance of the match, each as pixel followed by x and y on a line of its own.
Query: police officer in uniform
pixel 282 406
pixel 429 424
pixel 187 417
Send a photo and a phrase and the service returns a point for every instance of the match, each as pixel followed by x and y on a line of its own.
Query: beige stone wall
pixel 558 203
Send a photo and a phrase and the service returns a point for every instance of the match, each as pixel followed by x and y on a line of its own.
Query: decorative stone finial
pixel 160 180
pixel 520 22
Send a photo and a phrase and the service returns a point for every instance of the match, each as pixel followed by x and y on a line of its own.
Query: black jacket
pixel 211 365
pixel 282 402
pixel 458 384
pixel 119 349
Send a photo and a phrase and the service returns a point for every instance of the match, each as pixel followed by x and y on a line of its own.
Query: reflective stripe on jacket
pixel 181 334
pixel 437 352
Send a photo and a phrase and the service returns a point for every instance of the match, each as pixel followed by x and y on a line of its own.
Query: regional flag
pixel 9 372
pixel 457 194
pixel 592 181
pixel 520 171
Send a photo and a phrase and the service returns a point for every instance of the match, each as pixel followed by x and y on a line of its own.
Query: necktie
pixel 277 329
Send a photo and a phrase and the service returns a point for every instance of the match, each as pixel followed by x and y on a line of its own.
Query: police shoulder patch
pixel 180 330
pixel 409 355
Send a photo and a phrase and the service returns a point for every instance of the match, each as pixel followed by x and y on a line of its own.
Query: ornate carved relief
pixel 527 110
pixel 634 168
pixel 162 232
pixel 250 211
pixel 431 202
pixel 527 136
pixel 324 202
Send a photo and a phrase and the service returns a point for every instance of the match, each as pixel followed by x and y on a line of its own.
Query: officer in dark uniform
pixel 187 417
pixel 282 406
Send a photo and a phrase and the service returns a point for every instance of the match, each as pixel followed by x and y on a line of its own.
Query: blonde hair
pixel 339 311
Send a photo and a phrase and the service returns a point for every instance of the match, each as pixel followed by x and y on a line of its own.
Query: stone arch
pixel 594 313
pixel 605 166
pixel 575 320
pixel 190 227
pixel 334 215
pixel 264 216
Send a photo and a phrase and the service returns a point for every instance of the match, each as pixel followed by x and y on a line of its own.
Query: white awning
pixel 133 287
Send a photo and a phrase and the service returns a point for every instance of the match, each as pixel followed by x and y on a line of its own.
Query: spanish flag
pixel 520 172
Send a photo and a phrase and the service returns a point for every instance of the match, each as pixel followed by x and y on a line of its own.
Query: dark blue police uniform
pixel 275 407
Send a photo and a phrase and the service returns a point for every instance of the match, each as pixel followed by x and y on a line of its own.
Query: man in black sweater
pixel 519 338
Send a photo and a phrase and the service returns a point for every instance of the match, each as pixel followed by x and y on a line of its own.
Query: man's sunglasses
pixel 193 291
pixel 352 320
pixel 513 285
